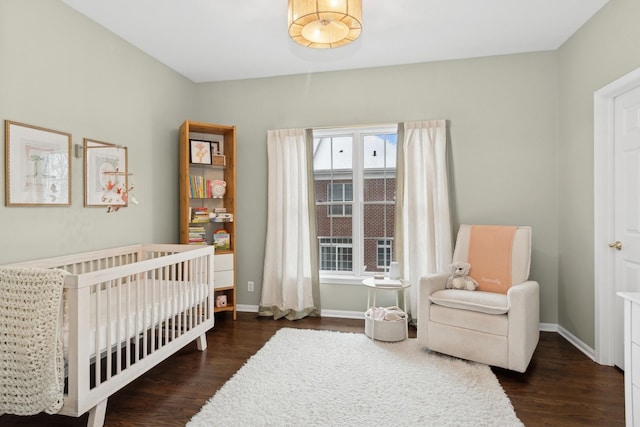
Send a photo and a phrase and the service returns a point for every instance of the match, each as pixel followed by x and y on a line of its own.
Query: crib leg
pixel 96 414
pixel 202 342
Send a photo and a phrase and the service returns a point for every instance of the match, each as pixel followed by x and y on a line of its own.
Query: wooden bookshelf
pixel 199 175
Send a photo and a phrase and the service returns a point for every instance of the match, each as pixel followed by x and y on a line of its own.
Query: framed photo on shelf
pixel 200 151
pixel 105 174
pixel 215 148
pixel 37 166
pixel 217 144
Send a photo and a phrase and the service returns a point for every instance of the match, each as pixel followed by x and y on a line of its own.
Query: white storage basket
pixel 385 330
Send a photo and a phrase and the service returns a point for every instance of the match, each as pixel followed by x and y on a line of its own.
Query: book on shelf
pixel 196 186
pixel 197 235
pixel 200 187
pixel 199 214
pixel 221 217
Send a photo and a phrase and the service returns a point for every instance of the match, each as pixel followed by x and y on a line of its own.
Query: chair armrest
pixel 432 283
pixel 524 323
pixel 427 285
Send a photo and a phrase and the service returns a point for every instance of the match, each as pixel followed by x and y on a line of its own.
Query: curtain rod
pixel 375 125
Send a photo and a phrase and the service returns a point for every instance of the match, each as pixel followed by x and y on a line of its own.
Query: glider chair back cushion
pixel 493 248
pixel 498 324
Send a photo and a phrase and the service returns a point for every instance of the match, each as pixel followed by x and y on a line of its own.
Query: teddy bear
pixel 459 278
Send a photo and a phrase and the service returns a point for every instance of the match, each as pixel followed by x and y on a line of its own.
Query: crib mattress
pixel 126 311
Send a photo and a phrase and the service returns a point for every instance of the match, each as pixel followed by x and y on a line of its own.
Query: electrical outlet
pixel 250 286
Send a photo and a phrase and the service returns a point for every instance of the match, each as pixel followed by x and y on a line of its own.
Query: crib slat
pixel 108 323
pixel 131 327
pixel 119 325
pixel 145 315
pixel 166 302
pixel 155 309
pixel 180 297
pixel 97 328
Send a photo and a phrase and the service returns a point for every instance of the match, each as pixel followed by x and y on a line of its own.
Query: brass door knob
pixel 616 245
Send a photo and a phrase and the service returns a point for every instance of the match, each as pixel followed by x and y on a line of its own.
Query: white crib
pixel 126 310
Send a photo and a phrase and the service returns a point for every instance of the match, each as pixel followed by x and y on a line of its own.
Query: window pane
pixel 385 255
pixel 336 254
pixel 348 192
pixel 335 192
pixel 380 188
pixel 336 225
pixel 379 220
pixel 333 153
pixel 380 151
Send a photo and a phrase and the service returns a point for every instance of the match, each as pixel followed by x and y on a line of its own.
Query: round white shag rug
pixel 307 377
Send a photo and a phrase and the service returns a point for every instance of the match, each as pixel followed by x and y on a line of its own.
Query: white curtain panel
pixel 290 285
pixel 424 227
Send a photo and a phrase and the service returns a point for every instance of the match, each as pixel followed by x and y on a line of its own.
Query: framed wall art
pixel 105 174
pixel 37 166
pixel 200 151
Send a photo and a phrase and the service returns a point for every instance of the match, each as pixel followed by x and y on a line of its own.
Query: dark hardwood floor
pixel 562 386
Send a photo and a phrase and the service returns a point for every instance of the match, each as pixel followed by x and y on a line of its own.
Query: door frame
pixel 604 257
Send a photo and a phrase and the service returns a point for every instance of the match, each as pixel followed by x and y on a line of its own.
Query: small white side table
pixel 398 286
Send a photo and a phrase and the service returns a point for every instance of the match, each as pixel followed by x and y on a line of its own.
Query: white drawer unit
pixel 224 272
pixel 631 357
pixel 225 282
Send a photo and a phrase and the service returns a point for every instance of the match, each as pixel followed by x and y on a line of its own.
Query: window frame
pixel 357 134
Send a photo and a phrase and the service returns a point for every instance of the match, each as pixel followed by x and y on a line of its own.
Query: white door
pixel 626 176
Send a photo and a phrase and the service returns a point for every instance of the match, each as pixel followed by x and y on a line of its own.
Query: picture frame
pixel 105 174
pixel 217 142
pixel 37 166
pixel 215 148
pixel 200 152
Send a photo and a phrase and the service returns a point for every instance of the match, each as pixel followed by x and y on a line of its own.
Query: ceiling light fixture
pixel 325 24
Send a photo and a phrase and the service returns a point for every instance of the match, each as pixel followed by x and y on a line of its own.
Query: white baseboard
pixel 247 308
pixel 343 314
pixel 544 327
pixel 577 343
pixel 548 327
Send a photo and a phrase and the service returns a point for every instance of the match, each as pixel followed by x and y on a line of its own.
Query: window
pixel 355 185
pixel 385 253
pixel 336 254
pixel 339 193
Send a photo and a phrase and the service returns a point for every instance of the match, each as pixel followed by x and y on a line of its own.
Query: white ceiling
pixel 215 40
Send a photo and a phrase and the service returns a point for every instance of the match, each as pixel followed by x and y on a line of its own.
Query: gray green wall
pixel 521 138
pixel 502 116
pixel 60 71
pixel 603 50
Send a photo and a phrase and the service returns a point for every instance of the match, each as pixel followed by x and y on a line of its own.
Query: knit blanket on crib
pixel 31 358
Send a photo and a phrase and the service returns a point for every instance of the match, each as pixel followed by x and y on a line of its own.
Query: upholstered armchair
pixel 497 324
